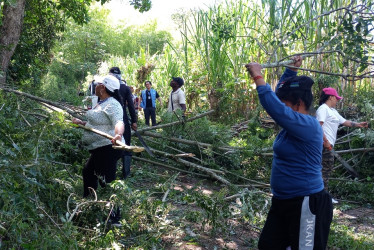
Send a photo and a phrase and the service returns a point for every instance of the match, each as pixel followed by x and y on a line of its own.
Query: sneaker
pixel 334 201
pixel 116 224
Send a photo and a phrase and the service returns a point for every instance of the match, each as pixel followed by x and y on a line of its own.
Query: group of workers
pixel 301 211
pixel 108 114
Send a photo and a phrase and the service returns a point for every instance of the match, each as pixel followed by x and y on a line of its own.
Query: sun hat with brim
pixel 332 91
pixel 109 81
pixel 296 83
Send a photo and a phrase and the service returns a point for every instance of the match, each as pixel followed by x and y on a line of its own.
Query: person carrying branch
pixel 106 116
pixel 301 211
pixel 330 120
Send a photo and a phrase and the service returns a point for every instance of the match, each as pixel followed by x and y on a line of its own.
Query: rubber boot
pixel 126 161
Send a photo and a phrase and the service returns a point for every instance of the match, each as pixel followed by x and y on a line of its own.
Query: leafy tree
pixel 36 24
pixel 141 5
pixel 82 47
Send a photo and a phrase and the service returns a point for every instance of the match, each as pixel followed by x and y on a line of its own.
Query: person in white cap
pixel 106 116
pixel 330 120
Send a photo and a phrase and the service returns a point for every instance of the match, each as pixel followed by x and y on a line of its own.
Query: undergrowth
pixel 41 204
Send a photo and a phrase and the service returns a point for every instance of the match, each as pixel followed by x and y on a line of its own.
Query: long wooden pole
pixel 125 147
pixel 175 123
pixel 35 98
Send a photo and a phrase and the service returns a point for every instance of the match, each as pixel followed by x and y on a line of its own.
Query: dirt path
pixel 189 232
pixel 244 236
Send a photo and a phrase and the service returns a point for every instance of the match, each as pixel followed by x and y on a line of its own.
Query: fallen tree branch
pixel 206 170
pixel 185 141
pixel 170 187
pixel 121 146
pixel 177 159
pixel 251 181
pixel 27 122
pixel 342 179
pixel 175 123
pixel 175 149
pixel 211 172
pixel 338 151
pixel 355 150
pixel 38 99
pixel 232 197
pixel 167 166
pixel 34 114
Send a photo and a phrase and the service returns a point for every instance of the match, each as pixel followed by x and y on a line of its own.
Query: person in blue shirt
pixel 148 103
pixel 301 210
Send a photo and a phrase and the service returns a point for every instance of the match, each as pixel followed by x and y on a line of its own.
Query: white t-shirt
pixel 178 98
pixel 331 120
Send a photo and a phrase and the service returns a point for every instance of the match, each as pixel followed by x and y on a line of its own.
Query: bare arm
pixel 326 143
pixel 140 101
pixel 119 129
pixel 355 124
pixel 159 99
pixel 78 121
pixel 254 70
pixel 183 106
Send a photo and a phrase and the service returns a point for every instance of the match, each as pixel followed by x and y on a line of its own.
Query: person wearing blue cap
pixel 301 211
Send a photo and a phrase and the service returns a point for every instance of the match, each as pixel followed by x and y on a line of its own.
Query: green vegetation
pixel 41 158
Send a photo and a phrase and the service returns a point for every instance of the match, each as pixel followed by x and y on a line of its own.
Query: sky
pixel 161 10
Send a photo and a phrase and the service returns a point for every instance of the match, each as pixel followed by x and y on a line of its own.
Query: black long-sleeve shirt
pixel 125 93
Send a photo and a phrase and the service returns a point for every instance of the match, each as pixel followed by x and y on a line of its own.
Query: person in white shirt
pixel 330 120
pixel 177 98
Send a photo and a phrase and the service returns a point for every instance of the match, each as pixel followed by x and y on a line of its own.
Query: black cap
pixel 178 80
pixel 115 70
pixel 296 83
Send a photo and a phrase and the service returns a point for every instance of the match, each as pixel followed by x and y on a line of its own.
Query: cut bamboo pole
pixel 122 146
pixel 185 141
pixel 167 166
pixel 175 123
pixel 205 170
pixel 38 99
pixel 176 158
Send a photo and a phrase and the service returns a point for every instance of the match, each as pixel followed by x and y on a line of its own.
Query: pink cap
pixel 332 91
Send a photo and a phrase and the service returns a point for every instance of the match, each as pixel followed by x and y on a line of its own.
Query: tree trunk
pixel 10 33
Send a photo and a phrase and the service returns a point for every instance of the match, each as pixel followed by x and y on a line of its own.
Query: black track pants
pixel 302 223
pixel 101 166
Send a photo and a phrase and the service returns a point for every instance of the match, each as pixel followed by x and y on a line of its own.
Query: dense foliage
pixel 41 158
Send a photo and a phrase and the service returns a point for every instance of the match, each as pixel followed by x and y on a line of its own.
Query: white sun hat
pixel 109 81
